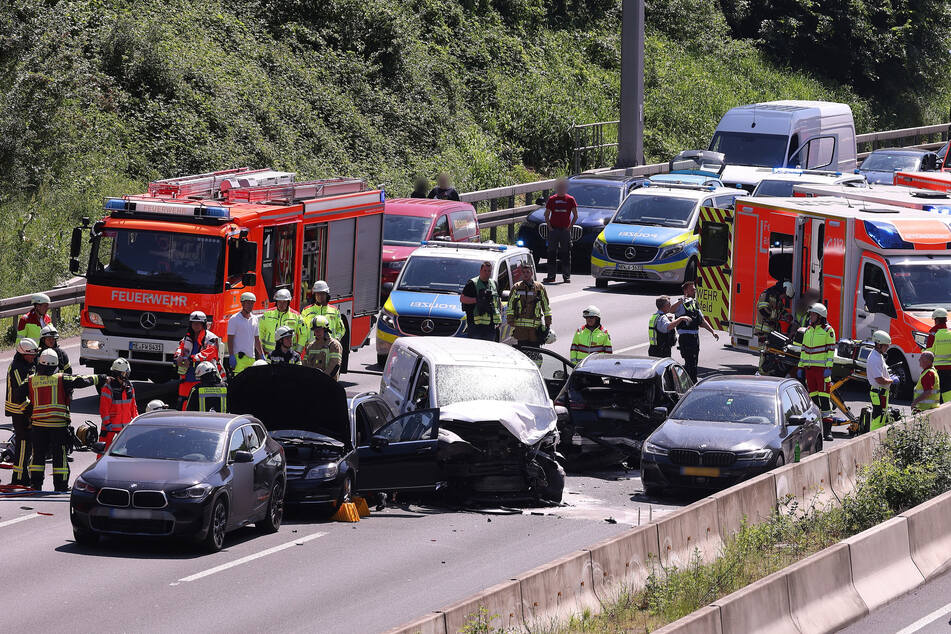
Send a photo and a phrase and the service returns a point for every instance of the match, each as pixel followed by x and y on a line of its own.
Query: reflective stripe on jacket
pixel 326 355
pixel 50 395
pixel 941 348
pixel 117 405
pixel 818 346
pixel 587 341
pixel 270 321
pixel 337 329
pixel 931 401
pixel 18 389
pixel 208 398
pixel 31 325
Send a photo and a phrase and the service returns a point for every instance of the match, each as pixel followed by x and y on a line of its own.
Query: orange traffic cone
pixel 346 512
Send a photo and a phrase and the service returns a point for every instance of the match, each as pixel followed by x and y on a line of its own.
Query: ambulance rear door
pixel 716 263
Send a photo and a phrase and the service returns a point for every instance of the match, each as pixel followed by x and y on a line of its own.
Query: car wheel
pixel 652 490
pixel 600 283
pixel 555 482
pixel 779 461
pixel 275 510
pixel 818 444
pixel 346 490
pixel 217 526
pixel 690 273
pixel 905 388
pixel 84 537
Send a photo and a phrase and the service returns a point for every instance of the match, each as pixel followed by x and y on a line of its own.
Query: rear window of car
pixel 728 406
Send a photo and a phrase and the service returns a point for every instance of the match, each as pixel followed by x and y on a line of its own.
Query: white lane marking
pixel 237 562
pixel 926 620
pixel 22 518
pixel 561 298
pixel 640 345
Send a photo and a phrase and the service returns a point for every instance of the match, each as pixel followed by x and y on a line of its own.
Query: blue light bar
pixel 886 235
pixel 116 204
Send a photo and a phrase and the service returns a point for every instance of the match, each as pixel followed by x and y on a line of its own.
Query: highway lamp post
pixel 631 126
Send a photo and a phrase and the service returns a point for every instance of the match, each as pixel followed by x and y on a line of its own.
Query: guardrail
pixel 72 291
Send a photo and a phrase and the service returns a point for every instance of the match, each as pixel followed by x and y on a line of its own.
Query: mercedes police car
pixel 425 300
pixel 653 235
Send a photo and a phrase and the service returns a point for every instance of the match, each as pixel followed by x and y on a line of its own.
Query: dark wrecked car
pixel 610 401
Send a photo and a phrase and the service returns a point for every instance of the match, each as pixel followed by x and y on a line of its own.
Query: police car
pixel 425 300
pixel 652 236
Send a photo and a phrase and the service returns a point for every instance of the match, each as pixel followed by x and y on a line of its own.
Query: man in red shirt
pixel 561 212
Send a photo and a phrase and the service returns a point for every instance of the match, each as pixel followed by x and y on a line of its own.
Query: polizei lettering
pixel 433 305
pixel 152 299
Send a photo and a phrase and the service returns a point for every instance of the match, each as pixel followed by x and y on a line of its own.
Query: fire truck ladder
pixel 295 191
pixel 204 185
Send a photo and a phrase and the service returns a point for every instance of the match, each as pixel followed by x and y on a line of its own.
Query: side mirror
pixel 796 421
pixel 659 413
pixel 379 443
pixel 249 279
pixel 74 265
pixel 98 447
pixel 559 375
pixel 387 287
pixel 76 243
pixel 242 456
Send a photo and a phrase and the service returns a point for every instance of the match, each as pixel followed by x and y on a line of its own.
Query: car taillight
pixel 577 406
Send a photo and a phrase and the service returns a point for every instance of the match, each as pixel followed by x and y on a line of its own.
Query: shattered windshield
pixel 722 405
pixel 601 391
pixel 456 383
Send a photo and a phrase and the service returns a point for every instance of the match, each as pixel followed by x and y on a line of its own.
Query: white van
pixel 802 134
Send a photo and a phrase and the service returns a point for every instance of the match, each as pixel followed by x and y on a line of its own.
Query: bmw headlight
pixel 756 455
pixel 388 319
pixel 322 472
pixel 655 449
pixel 196 492
pixel 921 338
pixel 82 485
pixel 670 252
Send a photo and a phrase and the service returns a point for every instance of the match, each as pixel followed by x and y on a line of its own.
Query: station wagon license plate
pixel 708 472
pixel 145 346
pixel 631 267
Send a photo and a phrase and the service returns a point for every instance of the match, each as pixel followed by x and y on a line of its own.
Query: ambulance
pixel 876 267
pixel 197 242
pixel 937 181
pixel 895 195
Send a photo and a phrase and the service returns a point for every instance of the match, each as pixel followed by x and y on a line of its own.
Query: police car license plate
pixel 145 346
pixel 709 472
pixel 631 267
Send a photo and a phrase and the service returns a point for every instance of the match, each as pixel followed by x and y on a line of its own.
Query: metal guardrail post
pixel 511 225
pixel 493 232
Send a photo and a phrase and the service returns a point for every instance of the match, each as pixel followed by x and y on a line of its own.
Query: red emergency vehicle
pixel 197 242
pixel 938 181
pixel 875 267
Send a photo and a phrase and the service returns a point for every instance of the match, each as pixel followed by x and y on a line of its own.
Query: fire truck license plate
pixel 145 346
pixel 631 267
pixel 710 472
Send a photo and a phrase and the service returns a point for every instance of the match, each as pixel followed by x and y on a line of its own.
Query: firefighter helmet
pixel 939 313
pixel 120 365
pixel 204 368
pixel 39 298
pixel 321 286
pixel 819 309
pixel 155 404
pixel 86 433
pixel 49 330
pixel 49 358
pixel 27 346
pixel 320 321
pixel 591 311
pixel 282 332
pixel 198 316
pixel 248 296
pixel 259 362
pixel 880 337
pixel 282 295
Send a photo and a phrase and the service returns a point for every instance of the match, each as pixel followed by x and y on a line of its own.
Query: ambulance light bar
pixel 666 185
pixel 886 235
pixel 482 246
pixel 799 172
pixel 167 209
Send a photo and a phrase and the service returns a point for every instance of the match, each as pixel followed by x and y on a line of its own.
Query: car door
pixel 554 368
pixel 262 470
pixel 440 229
pixel 397 374
pixel 242 480
pixel 402 454
pixel 682 380
pixel 813 427
pixel 875 304
pixel 504 280
pixel 794 433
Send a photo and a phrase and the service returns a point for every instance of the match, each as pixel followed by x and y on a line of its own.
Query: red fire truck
pixel 197 242
pixel 875 267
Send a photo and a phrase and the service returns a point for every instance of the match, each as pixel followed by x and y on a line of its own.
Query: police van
pixel 425 300
pixel 652 236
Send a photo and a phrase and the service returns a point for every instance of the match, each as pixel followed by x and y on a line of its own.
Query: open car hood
pixel 292 397
pixel 528 423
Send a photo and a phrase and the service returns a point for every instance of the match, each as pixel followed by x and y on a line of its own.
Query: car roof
pixel 605 179
pixel 816 179
pixel 748 383
pixel 460 351
pixel 197 420
pixel 427 207
pixel 901 150
pixel 626 366
pixel 463 253
pixel 662 189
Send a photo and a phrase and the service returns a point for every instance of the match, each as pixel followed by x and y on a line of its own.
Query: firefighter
pixel 281 315
pixel 815 363
pixel 480 301
pixel 661 329
pixel 284 351
pixel 244 342
pixel 939 344
pixel 928 388
pixel 210 394
pixel 880 379
pixel 689 331
pixel 322 306
pixel 199 344
pixel 50 393
pixel 17 406
pixel 590 338
pixel 772 308
pixel 529 312
pixel 116 402
pixel 49 338
pixel 324 351
pixel 31 324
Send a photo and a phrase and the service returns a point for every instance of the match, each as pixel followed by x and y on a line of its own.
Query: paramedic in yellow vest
pixel 244 341
pixel 529 312
pixel 324 351
pixel 939 344
pixel 928 388
pixel 880 379
pixel 590 338
pixel 210 394
pixel 50 393
pixel 281 315
pixel 322 306
pixel 815 363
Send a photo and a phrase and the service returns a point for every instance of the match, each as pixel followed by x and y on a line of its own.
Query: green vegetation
pixel 99 96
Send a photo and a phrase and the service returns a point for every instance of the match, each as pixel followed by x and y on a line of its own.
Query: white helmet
pixel 282 295
pixel 939 313
pixel 198 316
pixel 248 296
pixel 49 330
pixel 320 321
pixel 788 288
pixel 880 337
pixel 39 298
pixel 48 358
pixel 819 309
pixel 27 346
pixel 211 339
pixel 155 404
pixel 204 368
pixel 591 311
pixel 259 362
pixel 120 365
pixel 321 286
pixel 552 337
pixel 282 332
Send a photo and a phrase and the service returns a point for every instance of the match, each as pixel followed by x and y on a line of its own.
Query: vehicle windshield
pixel 728 406
pixel 405 230
pixel 782 189
pixel 168 443
pixel 757 150
pixel 664 211
pixel 157 260
pixel 611 392
pixel 437 275
pixel 922 283
pixel 890 162
pixel 595 194
pixel 456 383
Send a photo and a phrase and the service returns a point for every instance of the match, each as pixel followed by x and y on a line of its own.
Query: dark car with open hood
pixel 183 474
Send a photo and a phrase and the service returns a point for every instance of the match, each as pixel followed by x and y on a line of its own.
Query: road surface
pixel 926 610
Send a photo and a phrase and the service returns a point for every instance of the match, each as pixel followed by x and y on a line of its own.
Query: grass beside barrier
pixel 912 466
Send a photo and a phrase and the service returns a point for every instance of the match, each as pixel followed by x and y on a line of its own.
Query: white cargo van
pixel 801 134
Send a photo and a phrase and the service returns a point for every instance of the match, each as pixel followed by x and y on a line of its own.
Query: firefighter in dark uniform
pixel 529 312
pixel 49 338
pixel 17 406
pixel 211 394
pixel 689 332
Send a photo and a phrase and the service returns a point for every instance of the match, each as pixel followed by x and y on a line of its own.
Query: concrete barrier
pixel 821 595
pixel 706 620
pixel 503 609
pixel 623 563
pixel 557 591
pixel 432 623
pixel 940 418
pixel 760 607
pixel 929 536
pixel 882 568
pixel 754 500
pixel 680 534
pixel 844 463
pixel 807 481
